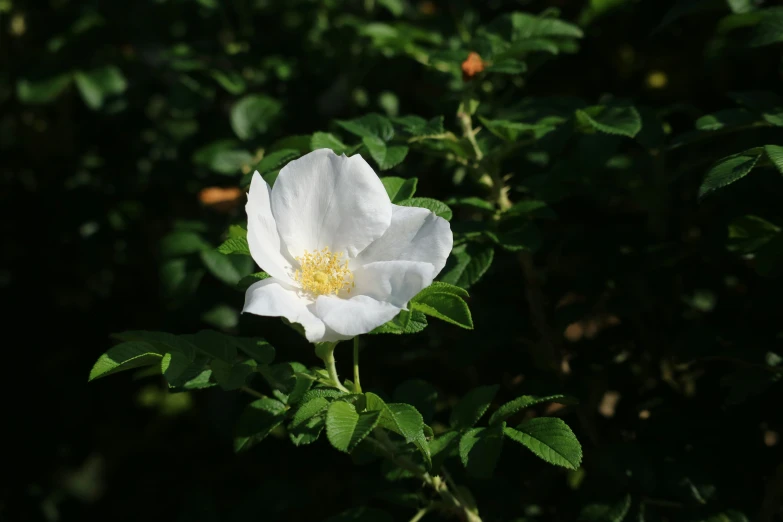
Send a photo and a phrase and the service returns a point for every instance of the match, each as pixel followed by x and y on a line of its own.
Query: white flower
pixel 342 258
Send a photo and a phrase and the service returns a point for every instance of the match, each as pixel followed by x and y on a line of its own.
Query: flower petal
pixel 325 200
pixel 274 298
pixel 415 234
pixel 262 236
pixel 395 282
pixel 355 316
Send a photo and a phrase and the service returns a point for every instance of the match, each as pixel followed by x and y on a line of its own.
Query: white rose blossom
pixel 342 258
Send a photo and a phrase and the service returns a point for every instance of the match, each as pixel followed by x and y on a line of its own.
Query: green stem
pixel 420 514
pixel 252 392
pixel 327 355
pixel 357 387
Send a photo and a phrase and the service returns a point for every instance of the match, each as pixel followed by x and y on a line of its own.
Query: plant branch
pixel 452 501
pixel 252 392
pixel 326 353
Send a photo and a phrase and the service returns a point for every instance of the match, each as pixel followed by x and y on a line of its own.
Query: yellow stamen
pixel 323 273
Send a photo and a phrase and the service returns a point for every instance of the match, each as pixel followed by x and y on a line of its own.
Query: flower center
pixel 323 273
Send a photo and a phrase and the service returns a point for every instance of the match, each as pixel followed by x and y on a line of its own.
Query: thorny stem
pixel 452 500
pixel 357 387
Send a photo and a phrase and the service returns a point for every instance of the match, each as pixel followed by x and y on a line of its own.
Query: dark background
pixel 88 194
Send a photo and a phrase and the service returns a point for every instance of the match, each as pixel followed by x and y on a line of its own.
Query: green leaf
pixel 727 171
pixel 441 287
pixel 234 245
pixel 775 155
pixel 479 450
pixel 37 92
pixel 258 419
pixel 473 406
pixel 749 233
pixel 474 202
pixel 97 85
pixel 228 269
pixel 399 189
pixel 276 160
pixel 309 409
pixel 511 130
pixel 770 28
pixel 445 306
pixel 223 157
pixel 402 419
pixel 531 26
pixel 386 157
pixel 256 348
pixel 253 114
pixel 232 376
pixel 125 356
pixel 525 401
pixel 326 140
pixel 507 66
pixel 230 80
pixel 727 516
pixel 221 316
pixel 767 104
pixel 215 344
pixel 406 322
pixel 421 394
pixel 345 428
pixel 181 243
pixel 249 280
pixel 442 447
pixel 467 264
pixel 606 512
pixel 308 421
pixel 418 127
pixel 437 207
pixel 623 121
pixel 369 126
pixel 725 118
pixel 550 439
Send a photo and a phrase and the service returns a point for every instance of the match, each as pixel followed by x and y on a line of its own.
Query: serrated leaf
pixel 418 127
pixel 479 450
pixel 406 322
pixel 446 307
pixel 402 419
pixel 232 376
pixel 749 233
pixel 550 439
pixel 385 156
pixel 345 428
pixel 512 130
pixel 258 419
pixel 253 114
pixel 326 140
pixel 775 155
pixel 473 406
pixel 442 447
pixel 234 245
pixel 125 356
pixel 437 207
pixel 727 171
pixel 442 287
pixel 215 345
pixel 526 401
pixel 399 189
pixel 467 264
pixel 606 512
pixel 308 410
pixel 256 348
pixel 276 160
pixel 369 126
pixel 623 121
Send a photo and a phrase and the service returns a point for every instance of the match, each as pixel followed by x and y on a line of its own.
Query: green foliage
pixel 346 428
pixel 479 450
pixel 399 189
pixel 549 439
pixel 525 401
pixel 445 302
